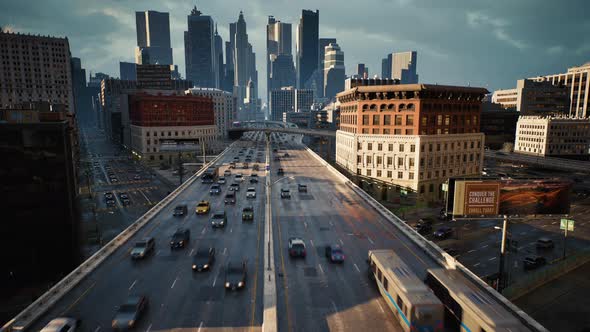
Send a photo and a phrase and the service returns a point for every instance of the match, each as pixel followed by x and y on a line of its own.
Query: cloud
pixel 498 26
pixel 555 50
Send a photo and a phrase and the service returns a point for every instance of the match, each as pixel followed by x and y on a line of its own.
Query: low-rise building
pixel 498 124
pixel 534 97
pixel 553 136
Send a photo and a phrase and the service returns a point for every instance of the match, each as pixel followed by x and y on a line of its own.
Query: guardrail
pixel 433 250
pixel 31 313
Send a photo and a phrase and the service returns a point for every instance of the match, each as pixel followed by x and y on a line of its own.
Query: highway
pixel 178 297
pixel 314 294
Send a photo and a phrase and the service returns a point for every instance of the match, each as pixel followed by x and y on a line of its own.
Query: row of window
pixel 401 147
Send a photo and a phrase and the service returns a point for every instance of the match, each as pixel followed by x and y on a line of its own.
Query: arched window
pixel 410 107
pixel 391 107
pixel 373 107
pixel 402 107
pixel 365 107
pixel 382 107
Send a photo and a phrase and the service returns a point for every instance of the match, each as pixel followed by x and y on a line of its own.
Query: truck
pixel 210 175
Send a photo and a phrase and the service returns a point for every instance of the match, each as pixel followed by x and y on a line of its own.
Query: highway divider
pixel 432 250
pixel 31 313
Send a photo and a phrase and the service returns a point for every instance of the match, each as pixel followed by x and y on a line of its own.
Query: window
pixel 400 302
pixel 400 161
pixel 375 120
pixel 379 160
pixel 411 162
pixel 379 274
pixel 397 131
pixel 409 131
pixel 368 159
pixel 365 120
pixel 376 131
pixel 421 162
pixel 398 120
pixel 379 147
pixel 359 159
pixel 390 147
pixel 389 174
pixel 147 134
pixel 386 131
pixel 424 121
pixel 411 175
pixel 400 175
pixel 378 173
pixel 430 147
pixel 155 133
pixel 430 188
pixel 439 120
pixel 387 120
pixel 389 160
pixel 365 130
pixel 369 146
pixel 447 120
pixel 412 148
pixel 359 146
pixel 409 120
pixel 368 172
pixel 422 189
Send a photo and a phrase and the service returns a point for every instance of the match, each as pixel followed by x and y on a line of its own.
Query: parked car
pixel 443 233
pixel 255 167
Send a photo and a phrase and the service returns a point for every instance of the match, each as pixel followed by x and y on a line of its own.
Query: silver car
pixel 63 324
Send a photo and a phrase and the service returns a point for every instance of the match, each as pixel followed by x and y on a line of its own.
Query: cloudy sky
pixel 489 43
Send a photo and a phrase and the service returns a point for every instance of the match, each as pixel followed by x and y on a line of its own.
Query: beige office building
pixel 224 107
pixel 534 97
pixel 552 136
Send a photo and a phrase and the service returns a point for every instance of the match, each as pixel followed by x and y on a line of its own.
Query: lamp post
pixel 504 229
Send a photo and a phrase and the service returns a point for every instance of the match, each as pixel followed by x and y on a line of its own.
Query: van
pixel 545 243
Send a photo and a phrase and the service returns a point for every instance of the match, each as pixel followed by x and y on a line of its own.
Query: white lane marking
pixel 331 223
pixel 472 250
pixel 522 233
pixel 158 253
pixel 305 224
pixel 214 281
pixel 553 223
pixel 341 242
pixel 231 230
pixel 141 192
pixel 133 284
pixel 321 269
pixel 191 253
pixel 334 306
pixel 476 264
pixel 149 328
pixel 491 259
pixel 368 238
pixel 174 283
pixel 97 329
pixel 357 268
pixel 224 250
pixel 311 241
pixel 203 231
pixel 200 326
pixel 485 246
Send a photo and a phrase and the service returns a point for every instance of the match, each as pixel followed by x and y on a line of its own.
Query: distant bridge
pixel 277 127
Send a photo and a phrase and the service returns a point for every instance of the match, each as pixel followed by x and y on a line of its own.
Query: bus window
pixel 379 274
pixel 385 284
pixel 400 302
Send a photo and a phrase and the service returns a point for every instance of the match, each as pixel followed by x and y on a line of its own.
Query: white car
pixel 251 192
pixel 61 325
pixel 221 180
pixel 239 177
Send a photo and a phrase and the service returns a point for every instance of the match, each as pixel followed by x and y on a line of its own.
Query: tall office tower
pixel 82 97
pixel 127 71
pixel 199 50
pixel 52 78
pixel 386 65
pixel 319 93
pixel 153 38
pixel 307 46
pixel 360 70
pixel 334 74
pixel 278 47
pixel 289 100
pixel 244 63
pixel 228 75
pixel 404 67
pixel 220 68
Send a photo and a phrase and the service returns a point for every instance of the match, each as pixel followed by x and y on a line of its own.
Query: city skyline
pixel 489 46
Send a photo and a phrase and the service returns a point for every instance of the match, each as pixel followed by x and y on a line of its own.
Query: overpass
pixel 277 127
pixel 280 294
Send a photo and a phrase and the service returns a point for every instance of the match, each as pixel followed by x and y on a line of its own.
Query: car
pixel 221 180
pixel 251 192
pixel 234 187
pixel 180 238
pixel 230 198
pixel 254 178
pixel 203 207
pixel 227 172
pixel 111 202
pixel 235 275
pixel 302 188
pixel 180 210
pixel 203 259
pixel 423 229
pixel 248 160
pixel 334 253
pixel 255 167
pixel 136 177
pixel 215 189
pixel 143 248
pixel 245 166
pixel 124 198
pixel 276 158
pixel 109 195
pixel 232 165
pixel 280 172
pixel 130 312
pixel 285 193
pixel 274 150
pixel 545 243
pixel 443 233
pixel 248 213
pixel 239 177
pixel 297 247
pixel 61 324
pixel 114 180
pixel 426 220
pixel 286 155
pixel 533 262
pixel 219 219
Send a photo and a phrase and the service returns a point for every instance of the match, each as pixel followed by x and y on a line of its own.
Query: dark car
pixel 334 253
pixel 130 312
pixel 302 188
pixel 124 198
pixel 423 229
pixel 443 233
pixel 426 221
pixel 297 247
pixel 234 187
pixel 203 259
pixel 219 219
pixel 276 158
pixel 111 202
pixel 248 213
pixel 281 172
pixel 255 167
pixel 143 248
pixel 533 262
pixel 180 210
pixel 286 155
pixel 285 193
pixel 109 195
pixel 545 243
pixel 254 178
pixel 180 238
pixel 230 198
pixel 215 189
pixel 235 275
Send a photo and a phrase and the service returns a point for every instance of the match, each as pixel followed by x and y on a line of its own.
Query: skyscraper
pixel 153 38
pixel 278 54
pixel 404 67
pixel 322 54
pixel 386 64
pixel 200 50
pixel 307 46
pixel 127 71
pixel 220 69
pixel 244 65
pixel 334 74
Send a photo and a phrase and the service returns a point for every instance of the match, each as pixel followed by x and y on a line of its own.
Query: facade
pixel 39 177
pixel 411 135
pixel 111 90
pixel 35 69
pixel 307 45
pixel 244 64
pixel 153 38
pixel 220 67
pixel 224 107
pixel 280 70
pixel 334 71
pixel 553 136
pixel 534 98
pixel 82 98
pixel 577 82
pixel 362 71
pixel 386 66
pixel 127 71
pixel 200 52
pixel 289 100
pixel 404 67
pixel 301 119
pixel 155 119
pixel 498 124
pixel 323 43
pixel 159 77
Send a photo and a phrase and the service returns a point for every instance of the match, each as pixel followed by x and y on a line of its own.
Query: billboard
pixel 475 198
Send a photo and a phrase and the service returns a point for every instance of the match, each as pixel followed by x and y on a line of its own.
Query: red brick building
pixel 170 110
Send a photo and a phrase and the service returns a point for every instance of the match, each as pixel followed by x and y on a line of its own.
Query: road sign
pixel 567 222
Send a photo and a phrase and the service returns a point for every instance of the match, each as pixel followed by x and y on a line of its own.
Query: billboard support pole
pixel 565 237
pixel 502 254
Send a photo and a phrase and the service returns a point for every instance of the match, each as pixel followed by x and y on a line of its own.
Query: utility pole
pixel 502 254
pixel 565 235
